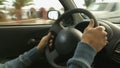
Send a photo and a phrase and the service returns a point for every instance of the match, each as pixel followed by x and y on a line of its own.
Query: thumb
pixel 48 36
pixel 91 24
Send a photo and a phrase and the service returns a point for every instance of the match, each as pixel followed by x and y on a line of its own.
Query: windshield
pixel 102 9
pixel 98 6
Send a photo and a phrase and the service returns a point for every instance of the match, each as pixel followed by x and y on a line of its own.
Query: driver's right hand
pixel 95 36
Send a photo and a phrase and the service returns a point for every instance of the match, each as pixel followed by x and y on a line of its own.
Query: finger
pixel 91 24
pixel 47 37
pixel 49 34
pixel 105 41
pixel 52 36
pixel 106 38
pixel 50 41
pixel 101 28
pixel 50 44
pixel 105 33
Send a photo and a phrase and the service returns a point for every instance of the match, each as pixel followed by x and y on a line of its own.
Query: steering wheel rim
pixel 56 28
pixel 79 10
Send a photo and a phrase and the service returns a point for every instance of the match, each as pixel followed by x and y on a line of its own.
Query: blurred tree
pixel 1 1
pixel 18 4
pixel 88 2
pixel 2 15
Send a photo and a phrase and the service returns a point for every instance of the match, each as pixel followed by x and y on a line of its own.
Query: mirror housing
pixel 53 14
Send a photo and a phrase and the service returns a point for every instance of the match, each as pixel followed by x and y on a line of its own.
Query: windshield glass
pixel 102 9
pixel 98 6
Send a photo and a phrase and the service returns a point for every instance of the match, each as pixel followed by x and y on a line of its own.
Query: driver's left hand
pixel 44 41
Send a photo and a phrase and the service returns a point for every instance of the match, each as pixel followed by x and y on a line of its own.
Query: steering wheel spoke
pixel 52 55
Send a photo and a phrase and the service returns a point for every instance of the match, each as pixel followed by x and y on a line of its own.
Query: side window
pixel 14 12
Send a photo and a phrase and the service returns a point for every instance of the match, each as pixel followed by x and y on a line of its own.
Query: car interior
pixel 17 39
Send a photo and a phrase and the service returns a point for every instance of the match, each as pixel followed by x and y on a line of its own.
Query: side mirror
pixel 54 14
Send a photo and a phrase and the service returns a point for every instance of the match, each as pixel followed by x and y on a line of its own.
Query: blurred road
pixel 28 21
pixel 42 21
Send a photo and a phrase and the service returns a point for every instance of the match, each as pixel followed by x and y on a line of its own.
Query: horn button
pixel 66 41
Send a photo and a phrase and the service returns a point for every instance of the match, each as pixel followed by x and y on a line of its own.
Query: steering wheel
pixel 65 39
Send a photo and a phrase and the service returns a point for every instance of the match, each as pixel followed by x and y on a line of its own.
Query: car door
pixel 16 39
pixel 22 29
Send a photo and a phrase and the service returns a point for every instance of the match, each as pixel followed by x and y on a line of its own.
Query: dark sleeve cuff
pixel 83 53
pixel 34 54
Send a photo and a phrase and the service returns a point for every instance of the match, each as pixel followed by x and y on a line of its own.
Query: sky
pixel 55 3
pixel 43 3
pixel 47 3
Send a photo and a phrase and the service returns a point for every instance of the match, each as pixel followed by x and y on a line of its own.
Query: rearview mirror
pixel 54 14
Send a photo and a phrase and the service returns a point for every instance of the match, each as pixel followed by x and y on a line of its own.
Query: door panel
pixel 14 40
